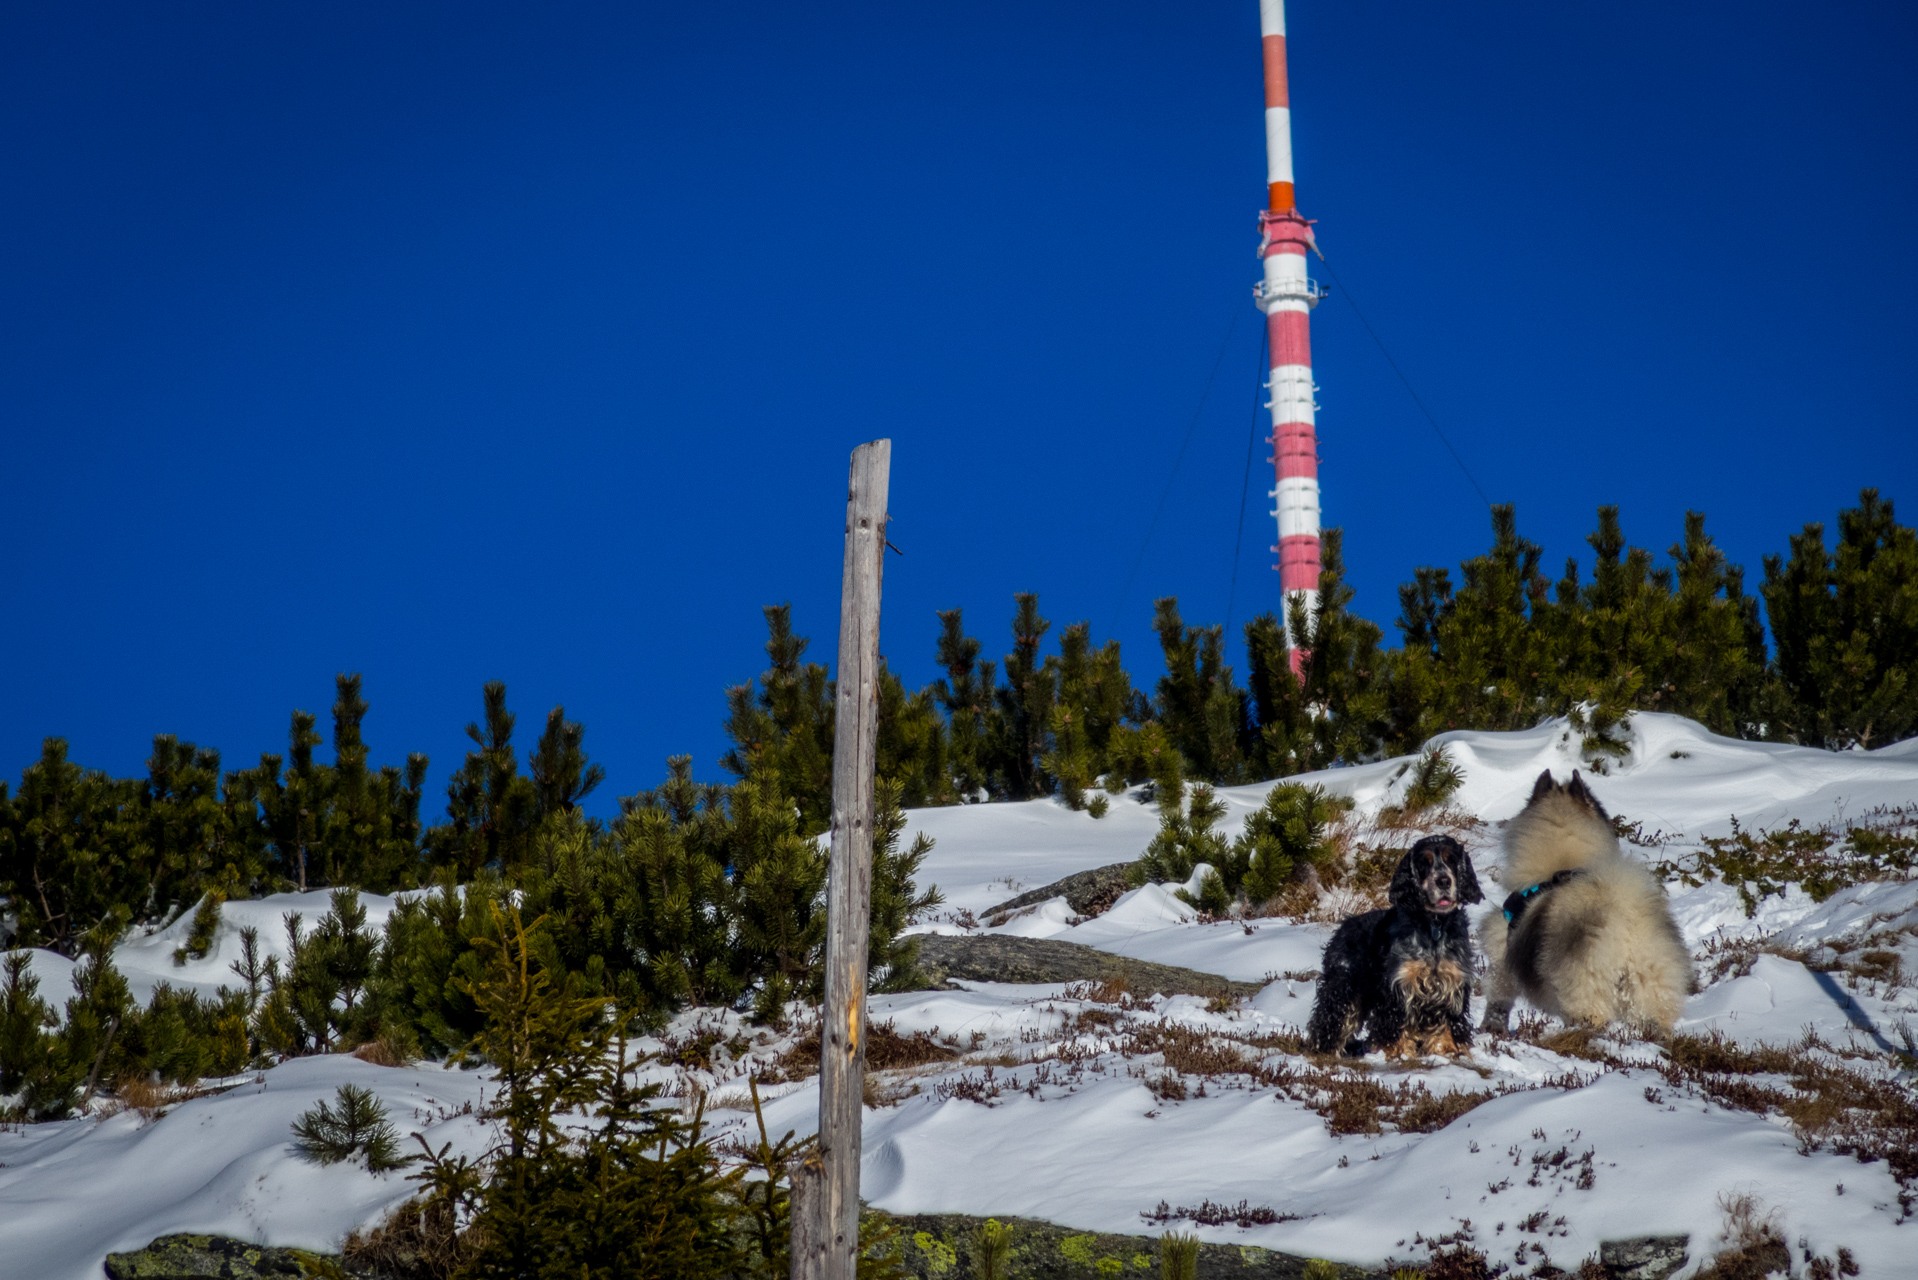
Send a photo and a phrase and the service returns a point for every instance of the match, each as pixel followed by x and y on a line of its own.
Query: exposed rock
pixel 1644 1257
pixel 1007 959
pixel 1088 893
pixel 193 1257
pixel 941 1244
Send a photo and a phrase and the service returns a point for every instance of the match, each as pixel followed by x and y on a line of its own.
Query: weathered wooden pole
pixel 825 1209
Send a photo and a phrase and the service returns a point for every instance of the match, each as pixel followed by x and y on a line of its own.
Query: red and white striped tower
pixel 1287 298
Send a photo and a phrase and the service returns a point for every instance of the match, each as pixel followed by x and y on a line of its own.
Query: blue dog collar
pixel 1515 904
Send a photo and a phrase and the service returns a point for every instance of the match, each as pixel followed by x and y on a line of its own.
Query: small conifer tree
pixel 206 923
pixel 1025 704
pixel 358 1128
pixel 891 959
pixel 779 879
pixel 1186 837
pixel 1435 778
pixel 1285 838
pixel 491 808
pixel 638 1194
pixel 785 727
pixel 911 742
pixel 1094 696
pixel 30 1058
pixel 562 776
pixel 1845 631
pixel 99 1012
pixel 674 894
pixel 967 695
pixel 1201 707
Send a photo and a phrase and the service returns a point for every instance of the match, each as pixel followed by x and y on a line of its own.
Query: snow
pixel 1779 994
pixel 54 972
pixel 1069 1126
pixel 147 961
pixel 74 1191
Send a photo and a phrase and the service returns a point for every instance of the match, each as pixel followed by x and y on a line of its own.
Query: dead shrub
pixel 1754 1246
pixel 1166 1087
pixel 1298 899
pixel 1831 1106
pixel 1726 958
pixel 877 1093
pixel 982 1088
pixel 151 1099
pixel 1718 1054
pixel 417 1241
pixel 1102 902
pixel 1187 1051
pixel 1114 989
pixel 1821 1268
pixel 694 1050
pixel 886 1050
pixel 1882 966
pixel 386 1051
pixel 1455 1257
pixel 1243 1214
pixel 1575 1042
pixel 1352 1103
pixel 1096 1017
pixel 1428 1112
pixel 143 1095
pixel 1282 1041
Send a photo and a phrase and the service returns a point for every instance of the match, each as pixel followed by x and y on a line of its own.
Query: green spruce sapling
pixel 1186 838
pixel 206 923
pixel 892 960
pixel 1286 838
pixel 358 1128
pixel 1434 779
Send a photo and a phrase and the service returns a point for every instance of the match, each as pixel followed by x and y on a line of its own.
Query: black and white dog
pixel 1399 980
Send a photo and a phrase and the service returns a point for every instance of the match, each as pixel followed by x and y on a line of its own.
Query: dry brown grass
pixel 1452 1257
pixel 697 1048
pixel 1116 989
pixel 1882 966
pixel 1094 1018
pixel 1832 1105
pixel 1754 1246
pixel 417 1241
pixel 1187 1051
pixel 149 1098
pixel 876 1092
pixel 1299 899
pixel 386 1052
pixel 1427 1112
pixel 1575 1042
pixel 886 1050
pixel 1354 1100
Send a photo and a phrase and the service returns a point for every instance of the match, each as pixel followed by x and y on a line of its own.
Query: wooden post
pixel 825 1208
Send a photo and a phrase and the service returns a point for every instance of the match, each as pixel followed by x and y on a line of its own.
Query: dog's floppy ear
pixel 1405 892
pixel 1545 785
pixel 1468 890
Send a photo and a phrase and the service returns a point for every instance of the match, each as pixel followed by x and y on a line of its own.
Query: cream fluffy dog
pixel 1586 934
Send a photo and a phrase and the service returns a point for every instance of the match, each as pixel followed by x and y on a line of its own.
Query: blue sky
pixel 448 343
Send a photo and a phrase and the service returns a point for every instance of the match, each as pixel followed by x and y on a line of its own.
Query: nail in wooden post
pixel 825 1209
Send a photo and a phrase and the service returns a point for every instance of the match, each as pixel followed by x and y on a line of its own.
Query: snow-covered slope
pixel 1056 1114
pixel 1679 778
